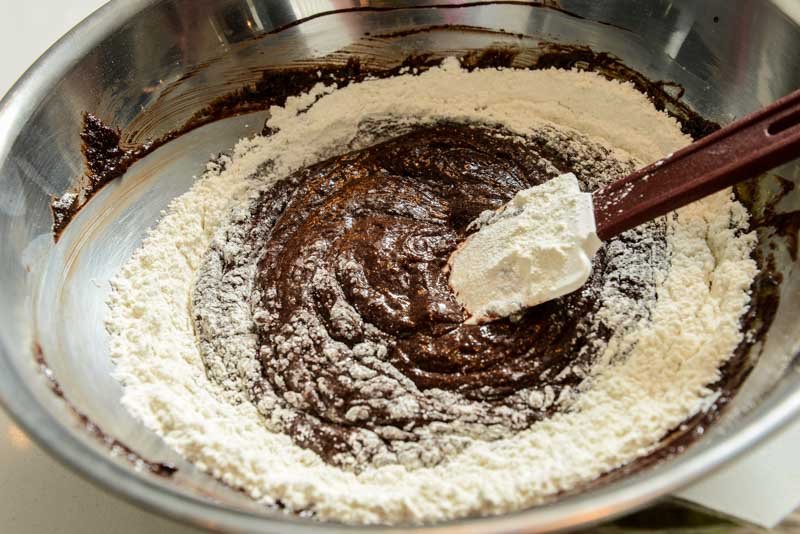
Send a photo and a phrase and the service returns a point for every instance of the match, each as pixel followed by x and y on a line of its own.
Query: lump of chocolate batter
pixel 325 301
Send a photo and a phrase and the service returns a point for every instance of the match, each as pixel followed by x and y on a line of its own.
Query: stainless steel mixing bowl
pixel 146 66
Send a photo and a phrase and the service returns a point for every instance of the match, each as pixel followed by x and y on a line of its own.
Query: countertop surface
pixel 40 495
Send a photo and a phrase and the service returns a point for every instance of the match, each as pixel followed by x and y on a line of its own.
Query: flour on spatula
pixel 537 247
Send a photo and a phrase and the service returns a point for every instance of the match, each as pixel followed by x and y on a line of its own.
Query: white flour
pixel 535 248
pixel 649 379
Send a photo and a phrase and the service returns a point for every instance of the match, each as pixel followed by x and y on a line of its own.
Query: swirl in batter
pixel 325 300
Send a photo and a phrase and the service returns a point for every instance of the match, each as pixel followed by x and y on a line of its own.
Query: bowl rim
pixel 64 442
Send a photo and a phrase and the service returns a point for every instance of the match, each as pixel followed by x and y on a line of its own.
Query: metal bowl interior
pixel 147 66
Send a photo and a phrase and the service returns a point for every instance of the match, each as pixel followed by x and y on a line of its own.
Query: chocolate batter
pixel 363 354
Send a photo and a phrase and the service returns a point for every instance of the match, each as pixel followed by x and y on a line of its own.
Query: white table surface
pixel 38 495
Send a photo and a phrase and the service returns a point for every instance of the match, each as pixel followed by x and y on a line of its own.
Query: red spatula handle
pixel 744 149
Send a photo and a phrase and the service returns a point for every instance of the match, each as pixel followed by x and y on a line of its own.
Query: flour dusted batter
pixel 359 352
pixel 288 326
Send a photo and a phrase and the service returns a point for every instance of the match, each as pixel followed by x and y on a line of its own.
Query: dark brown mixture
pixel 360 338
pixel 406 316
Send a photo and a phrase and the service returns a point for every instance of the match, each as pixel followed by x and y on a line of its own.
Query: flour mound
pixel 652 374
